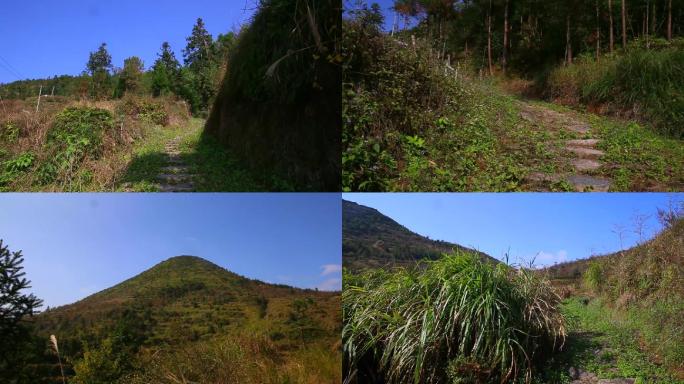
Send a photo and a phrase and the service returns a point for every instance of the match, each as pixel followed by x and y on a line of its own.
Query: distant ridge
pixel 373 240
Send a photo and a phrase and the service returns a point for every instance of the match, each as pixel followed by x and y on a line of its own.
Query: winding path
pixel 581 154
pixel 176 176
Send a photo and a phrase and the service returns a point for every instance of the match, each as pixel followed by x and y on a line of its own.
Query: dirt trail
pixel 175 176
pixel 580 153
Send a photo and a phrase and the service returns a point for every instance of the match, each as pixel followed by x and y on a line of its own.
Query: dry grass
pixel 24 131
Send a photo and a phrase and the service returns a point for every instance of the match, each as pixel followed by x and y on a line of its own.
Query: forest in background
pixel 513 95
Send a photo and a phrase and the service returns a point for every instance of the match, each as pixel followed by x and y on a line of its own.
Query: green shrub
pixel 646 81
pixel 12 168
pixel 76 133
pixel 144 110
pixel 457 316
pixel 9 131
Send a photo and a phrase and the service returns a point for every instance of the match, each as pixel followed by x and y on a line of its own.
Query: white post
pixel 53 91
pixel 40 91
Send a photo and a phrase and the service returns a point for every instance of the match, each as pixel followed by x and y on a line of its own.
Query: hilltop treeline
pixel 195 80
pixel 279 105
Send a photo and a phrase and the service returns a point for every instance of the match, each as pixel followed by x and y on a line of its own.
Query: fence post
pixel 39 93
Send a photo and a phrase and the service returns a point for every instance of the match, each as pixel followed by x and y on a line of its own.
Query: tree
pixel 504 60
pixel 610 22
pixel 165 72
pixel 15 306
pixel 198 56
pixel 669 20
pixel 99 65
pixel 624 25
pixel 130 78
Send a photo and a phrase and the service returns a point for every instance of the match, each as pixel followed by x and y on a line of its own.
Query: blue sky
pixel 554 227
pixel 45 38
pixel 78 244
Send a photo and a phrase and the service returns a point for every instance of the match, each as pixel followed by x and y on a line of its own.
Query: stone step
pixel 177 188
pixel 176 169
pixel 175 178
pixel 585 152
pixel 584 165
pixel 579 127
pixel 543 177
pixel 584 183
pixel 582 142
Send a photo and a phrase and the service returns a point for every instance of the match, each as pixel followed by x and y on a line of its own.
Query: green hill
pixel 371 240
pixel 187 306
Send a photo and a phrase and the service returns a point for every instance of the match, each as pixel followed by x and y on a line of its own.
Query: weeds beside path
pixel 602 348
pixel 182 159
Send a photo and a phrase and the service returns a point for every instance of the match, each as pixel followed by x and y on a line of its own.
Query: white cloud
pixel 545 259
pixel 329 269
pixel 330 285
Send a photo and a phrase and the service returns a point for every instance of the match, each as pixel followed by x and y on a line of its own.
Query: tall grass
pixel 457 317
pixel 646 83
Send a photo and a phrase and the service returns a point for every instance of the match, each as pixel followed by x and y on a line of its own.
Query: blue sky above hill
pixel 46 38
pixel 552 228
pixel 78 244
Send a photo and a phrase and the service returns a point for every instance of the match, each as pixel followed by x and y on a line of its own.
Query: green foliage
pixel 76 134
pixel 130 77
pixel 408 126
pixel 16 307
pixel 278 107
pixel 187 317
pixel 99 64
pixel 645 284
pixel 642 80
pixel 457 314
pixel 14 167
pixel 9 131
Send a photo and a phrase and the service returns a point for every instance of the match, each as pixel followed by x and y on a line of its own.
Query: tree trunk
pixel 504 60
pixel 669 21
pixel 610 20
pixel 489 38
pixel 568 43
pixel 624 26
pixel 598 32
pixel 646 24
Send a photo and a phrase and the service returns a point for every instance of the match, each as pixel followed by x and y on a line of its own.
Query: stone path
pixel 175 176
pixel 581 153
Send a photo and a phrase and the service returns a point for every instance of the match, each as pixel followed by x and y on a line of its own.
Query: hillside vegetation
pixel 278 107
pixel 77 145
pixel 373 240
pixel 444 104
pixel 188 320
pixel 640 83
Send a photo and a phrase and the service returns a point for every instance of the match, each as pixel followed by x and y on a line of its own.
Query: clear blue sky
pixel 557 227
pixel 42 38
pixel 78 244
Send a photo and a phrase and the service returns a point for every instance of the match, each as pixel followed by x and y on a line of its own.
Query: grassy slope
pixel 632 318
pixel 195 303
pixel 410 127
pixel 372 240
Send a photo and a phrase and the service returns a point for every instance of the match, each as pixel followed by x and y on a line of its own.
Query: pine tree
pixel 165 72
pixel 99 65
pixel 199 55
pixel 15 306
